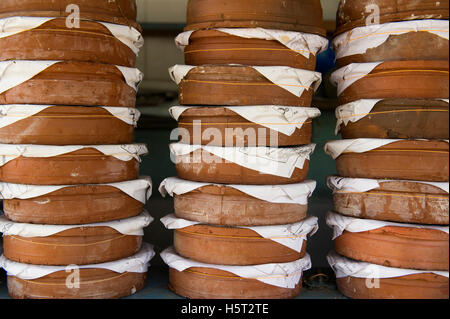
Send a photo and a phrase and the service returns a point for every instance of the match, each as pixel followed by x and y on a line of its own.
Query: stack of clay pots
pixel 391 198
pixel 240 222
pixel 69 178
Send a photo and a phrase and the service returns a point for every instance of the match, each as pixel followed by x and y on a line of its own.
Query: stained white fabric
pixel 274 161
pixel 285 275
pixel 282 194
pixel 347 75
pixel 362 145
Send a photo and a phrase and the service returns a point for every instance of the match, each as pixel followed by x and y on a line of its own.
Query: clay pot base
pixel 353 13
pixel 223 120
pixel 119 12
pixel 408 160
pixel 94 284
pixel 65 125
pixel 85 166
pixel 74 83
pixel 231 246
pixel 84 204
pixel 398 247
pixel 235 86
pixel 410 46
pixel 419 286
pixel 221 205
pixel 215 47
pixel 397 201
pixel 292 15
pixel 191 167
pixel 92 42
pixel 404 79
pixel 209 283
pixel 402 118
pixel 78 246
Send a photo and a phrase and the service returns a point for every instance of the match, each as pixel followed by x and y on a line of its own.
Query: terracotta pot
pixel 65 125
pixel 292 15
pixel 223 205
pixel 231 246
pixel 94 284
pixel 215 47
pixel 84 204
pixel 118 11
pixel 418 286
pixel 92 42
pixel 79 246
pixel 235 86
pixel 220 119
pixel 85 166
pixel 355 13
pixel 402 79
pixel 410 160
pixel 74 83
pixel 397 201
pixel 209 283
pixel 192 167
pixel 402 118
pixel 403 47
pixel 398 247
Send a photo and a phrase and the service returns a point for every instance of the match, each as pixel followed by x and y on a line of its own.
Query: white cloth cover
pixel 340 223
pixel 125 34
pixel 302 43
pixel 137 263
pixel 283 119
pixel 12 113
pixel 359 40
pixel 274 161
pixel 291 235
pixel 126 152
pixel 139 189
pixel 133 226
pixel 285 275
pixel 362 185
pixel 345 267
pixel 349 74
pixel 296 81
pixel 282 194
pixel 16 72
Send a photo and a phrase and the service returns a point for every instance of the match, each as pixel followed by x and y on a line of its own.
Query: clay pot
pixel 65 125
pixel 403 47
pixel 92 42
pixel 400 79
pixel 118 11
pixel 85 166
pixel 215 47
pixel 209 283
pixel 79 246
pixel 95 283
pixel 74 83
pixel 402 118
pixel 398 247
pixel 221 119
pixel 397 201
pixel 358 13
pixel 192 167
pixel 291 15
pixel 235 86
pixel 410 160
pixel 223 205
pixel 417 286
pixel 231 246
pixel 83 204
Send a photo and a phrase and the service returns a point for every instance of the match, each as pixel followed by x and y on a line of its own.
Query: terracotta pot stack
pixel 242 161
pixel 391 198
pixel 69 176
